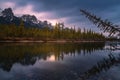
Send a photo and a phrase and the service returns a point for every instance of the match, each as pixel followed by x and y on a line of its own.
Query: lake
pixel 59 61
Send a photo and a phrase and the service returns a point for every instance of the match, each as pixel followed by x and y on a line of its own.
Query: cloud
pixel 65 11
pixel 7 4
pixel 28 9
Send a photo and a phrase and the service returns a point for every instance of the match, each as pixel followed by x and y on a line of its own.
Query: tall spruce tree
pixel 104 25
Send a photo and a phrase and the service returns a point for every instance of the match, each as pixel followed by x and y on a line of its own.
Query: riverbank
pixel 27 40
pixel 49 41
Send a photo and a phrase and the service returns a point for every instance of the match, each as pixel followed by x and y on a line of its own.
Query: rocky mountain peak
pixel 7 12
pixel 28 17
pixel 8 17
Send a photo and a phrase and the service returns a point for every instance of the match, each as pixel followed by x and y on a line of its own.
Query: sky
pixel 67 11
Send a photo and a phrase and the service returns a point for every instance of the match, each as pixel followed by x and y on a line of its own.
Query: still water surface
pixel 59 61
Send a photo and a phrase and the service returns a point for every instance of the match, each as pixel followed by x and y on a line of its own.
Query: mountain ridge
pixel 7 17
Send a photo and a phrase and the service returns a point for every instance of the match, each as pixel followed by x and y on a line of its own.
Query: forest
pixel 57 32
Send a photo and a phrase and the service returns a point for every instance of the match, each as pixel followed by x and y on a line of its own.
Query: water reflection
pixel 103 65
pixel 28 54
pixel 51 58
pixel 112 46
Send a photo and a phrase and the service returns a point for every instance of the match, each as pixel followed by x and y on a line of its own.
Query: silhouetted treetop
pixel 105 25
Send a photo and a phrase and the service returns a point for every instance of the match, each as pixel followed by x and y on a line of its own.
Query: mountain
pixel 31 20
pixel 7 17
pixel 7 12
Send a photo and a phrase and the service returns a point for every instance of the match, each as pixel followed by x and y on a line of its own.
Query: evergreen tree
pixel 104 25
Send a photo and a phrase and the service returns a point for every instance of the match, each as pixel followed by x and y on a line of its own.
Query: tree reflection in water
pixel 28 54
pixel 105 64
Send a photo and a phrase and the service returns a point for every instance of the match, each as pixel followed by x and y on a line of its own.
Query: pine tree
pixel 21 29
pixel 104 25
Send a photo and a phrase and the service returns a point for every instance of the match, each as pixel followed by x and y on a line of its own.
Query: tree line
pixel 58 32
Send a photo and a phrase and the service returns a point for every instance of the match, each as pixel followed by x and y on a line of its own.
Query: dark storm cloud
pixel 71 8
pixel 68 4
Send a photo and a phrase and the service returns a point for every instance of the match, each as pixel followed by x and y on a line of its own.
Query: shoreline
pixel 48 41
